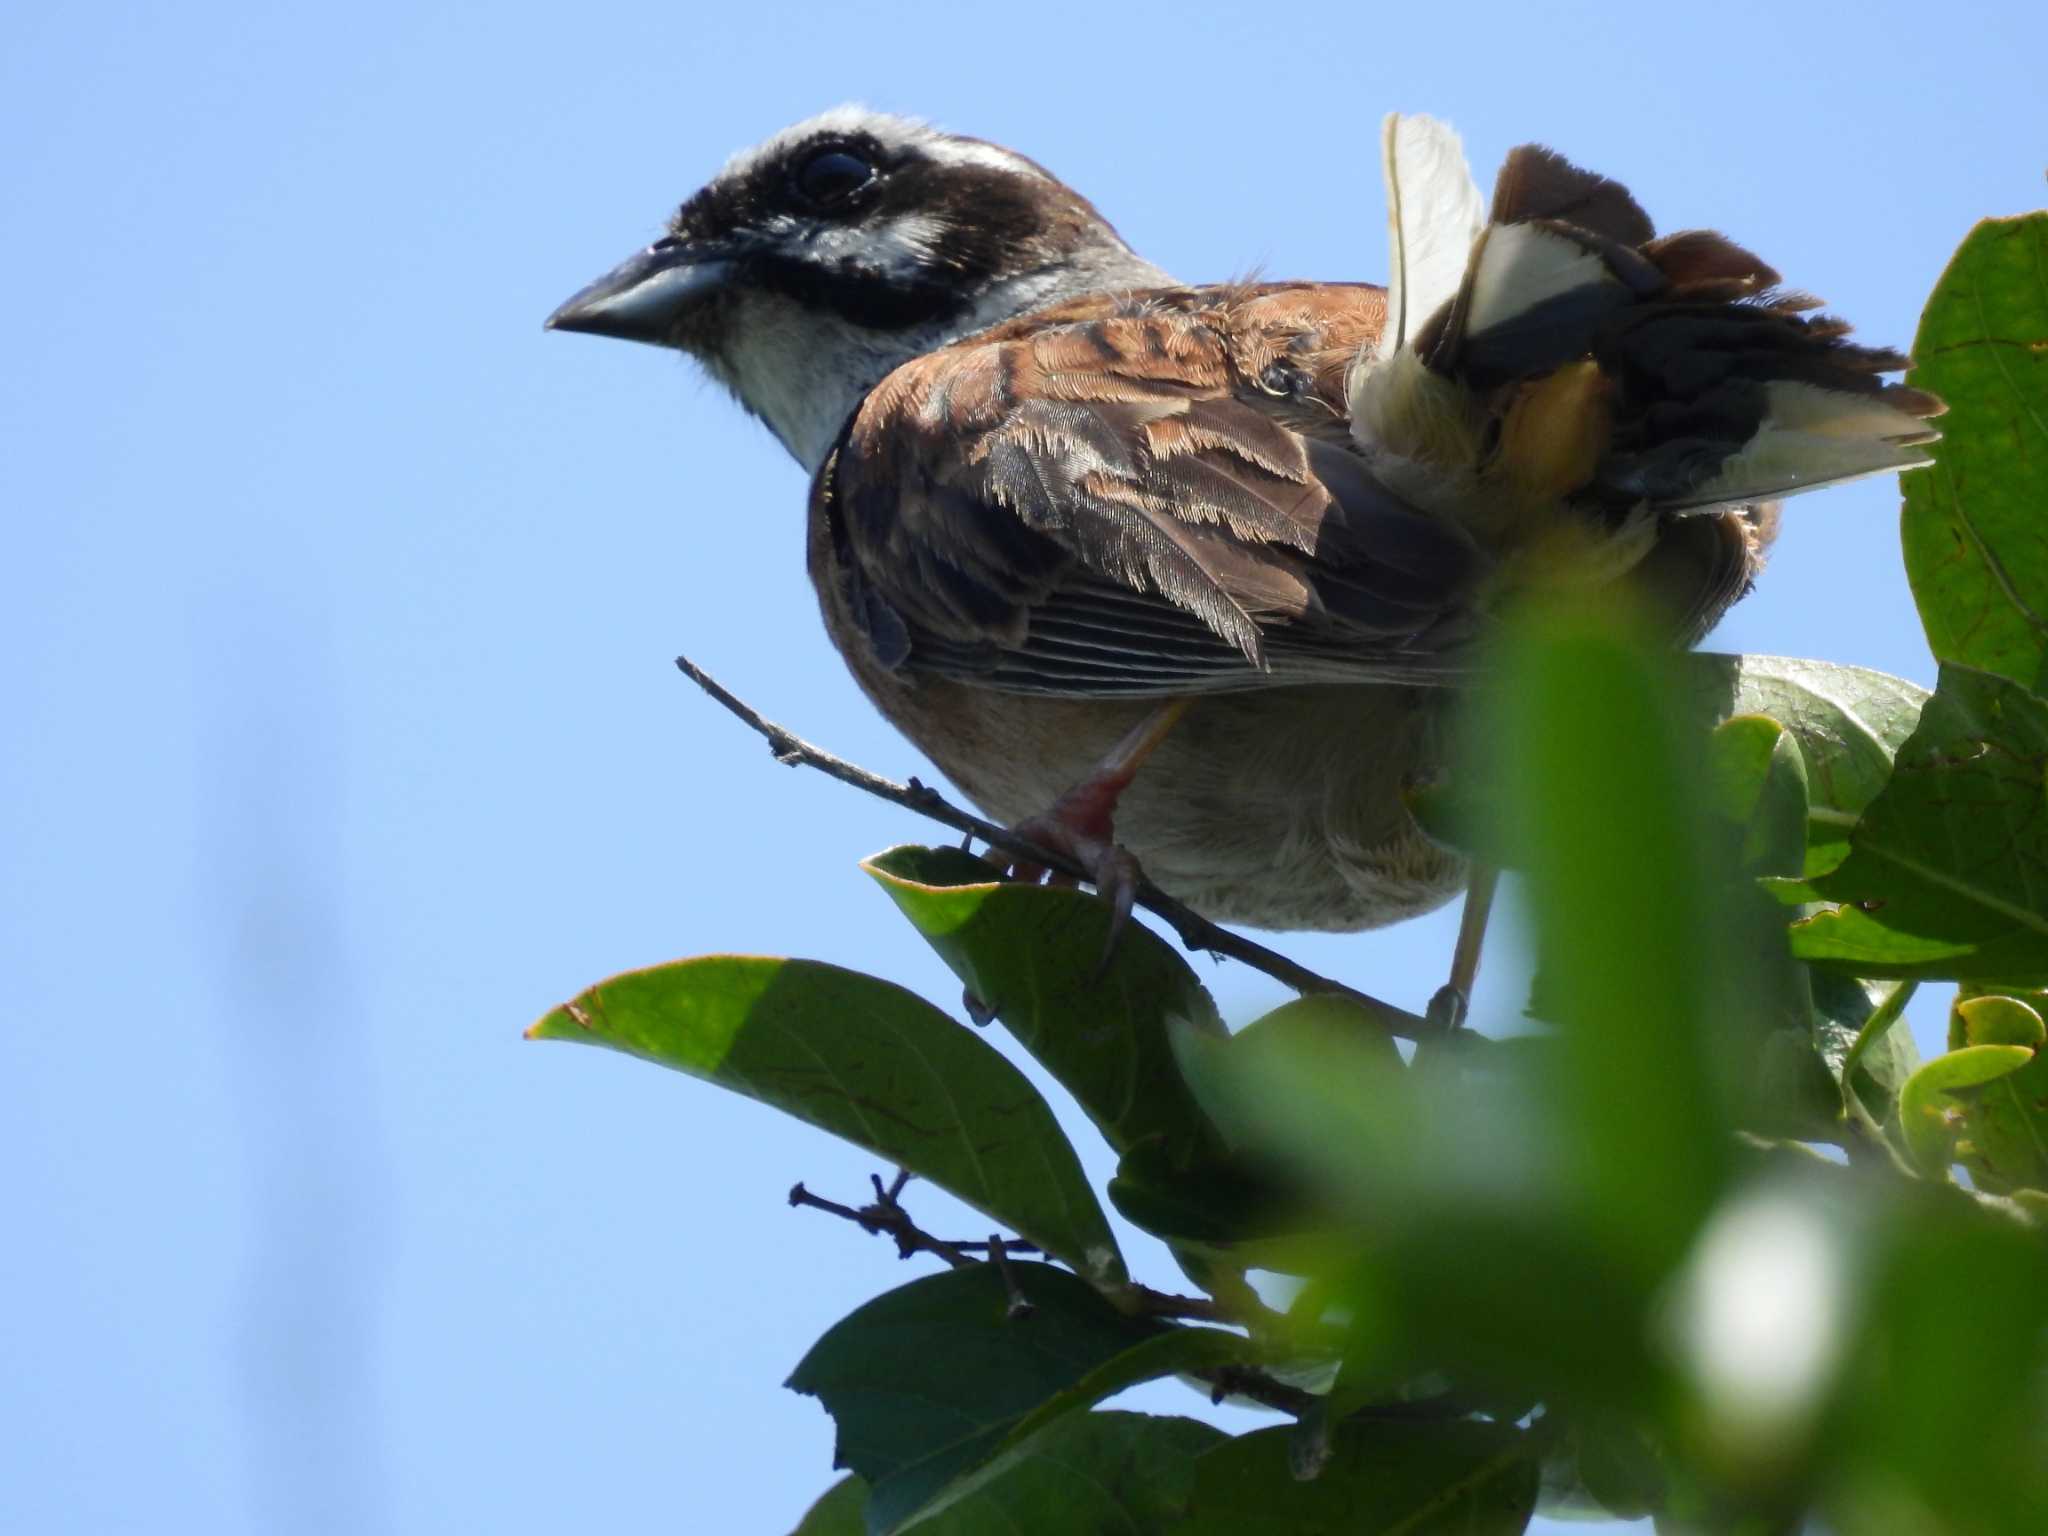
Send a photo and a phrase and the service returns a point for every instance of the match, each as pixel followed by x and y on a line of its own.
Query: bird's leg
pixel 1080 823
pixel 1453 999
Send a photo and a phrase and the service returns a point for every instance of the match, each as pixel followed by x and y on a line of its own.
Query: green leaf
pixel 1996 1019
pixel 1461 1478
pixel 1872 1055
pixel 935 1387
pixel 1849 723
pixel 1109 1474
pixel 1646 984
pixel 1758 780
pixel 1941 1410
pixel 1928 1115
pixel 869 1062
pixel 1220 1072
pixel 1034 957
pixel 1948 871
pixel 2004 1139
pixel 1238 1210
pixel 840 1511
pixel 1972 523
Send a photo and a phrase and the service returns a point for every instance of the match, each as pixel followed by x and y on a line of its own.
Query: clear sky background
pixel 340 735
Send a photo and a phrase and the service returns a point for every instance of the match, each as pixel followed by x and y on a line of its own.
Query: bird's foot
pixel 1079 827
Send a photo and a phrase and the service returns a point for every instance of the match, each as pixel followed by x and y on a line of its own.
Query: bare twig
pixel 887 1217
pixel 1244 1381
pixel 1194 930
pixel 999 1255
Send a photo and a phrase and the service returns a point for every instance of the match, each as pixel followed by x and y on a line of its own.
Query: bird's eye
pixel 831 176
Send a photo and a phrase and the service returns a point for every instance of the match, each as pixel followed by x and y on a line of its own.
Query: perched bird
pixel 1211 559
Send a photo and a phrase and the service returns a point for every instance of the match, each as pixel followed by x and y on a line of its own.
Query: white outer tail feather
pixel 1811 437
pixel 1434 213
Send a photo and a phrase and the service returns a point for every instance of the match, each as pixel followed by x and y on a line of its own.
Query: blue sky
pixel 342 738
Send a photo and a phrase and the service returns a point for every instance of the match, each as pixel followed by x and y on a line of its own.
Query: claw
pixel 1448 1008
pixel 1078 825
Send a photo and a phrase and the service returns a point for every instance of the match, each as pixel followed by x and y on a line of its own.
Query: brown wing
pixel 1147 495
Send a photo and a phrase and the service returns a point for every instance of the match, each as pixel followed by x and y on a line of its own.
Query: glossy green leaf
pixel 1972 523
pixel 1928 1114
pixel 1874 1056
pixel 2004 1138
pixel 1034 957
pixel 869 1062
pixel 1461 1478
pixel 930 1383
pixel 1948 872
pixel 1996 1019
pixel 1108 1474
pixel 1848 722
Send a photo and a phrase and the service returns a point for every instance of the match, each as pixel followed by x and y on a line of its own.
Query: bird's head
pixel 816 262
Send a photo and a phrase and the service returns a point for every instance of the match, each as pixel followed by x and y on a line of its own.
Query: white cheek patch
pixel 902 249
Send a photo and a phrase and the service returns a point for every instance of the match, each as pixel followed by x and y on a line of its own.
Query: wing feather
pixel 1107 504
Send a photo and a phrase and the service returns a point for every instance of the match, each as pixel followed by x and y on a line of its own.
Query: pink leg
pixel 1080 824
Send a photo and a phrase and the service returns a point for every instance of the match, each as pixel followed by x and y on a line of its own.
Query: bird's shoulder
pixel 1283 348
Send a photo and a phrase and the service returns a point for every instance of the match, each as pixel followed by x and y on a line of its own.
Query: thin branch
pixel 887 1217
pixel 999 1255
pixel 1194 930
pixel 1244 1381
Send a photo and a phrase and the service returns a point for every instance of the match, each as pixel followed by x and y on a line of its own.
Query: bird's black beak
pixel 643 296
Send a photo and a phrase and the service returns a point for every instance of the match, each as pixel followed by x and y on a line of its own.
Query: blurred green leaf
pixel 869 1062
pixel 1229 1076
pixel 1238 1209
pixel 1927 1113
pixel 1948 871
pixel 1652 1000
pixel 1758 781
pixel 1972 523
pixel 1108 1474
pixel 1620 1469
pixel 1460 1478
pixel 1944 1414
pixel 1517 1208
pixel 930 1383
pixel 1847 723
pixel 1034 957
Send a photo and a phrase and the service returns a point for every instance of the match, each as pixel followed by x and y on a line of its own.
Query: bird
pixel 1189 578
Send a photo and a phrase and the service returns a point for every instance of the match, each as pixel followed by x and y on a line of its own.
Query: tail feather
pixel 1699 381
pixel 1434 213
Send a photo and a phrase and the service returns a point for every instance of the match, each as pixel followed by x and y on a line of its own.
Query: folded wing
pixel 1104 502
